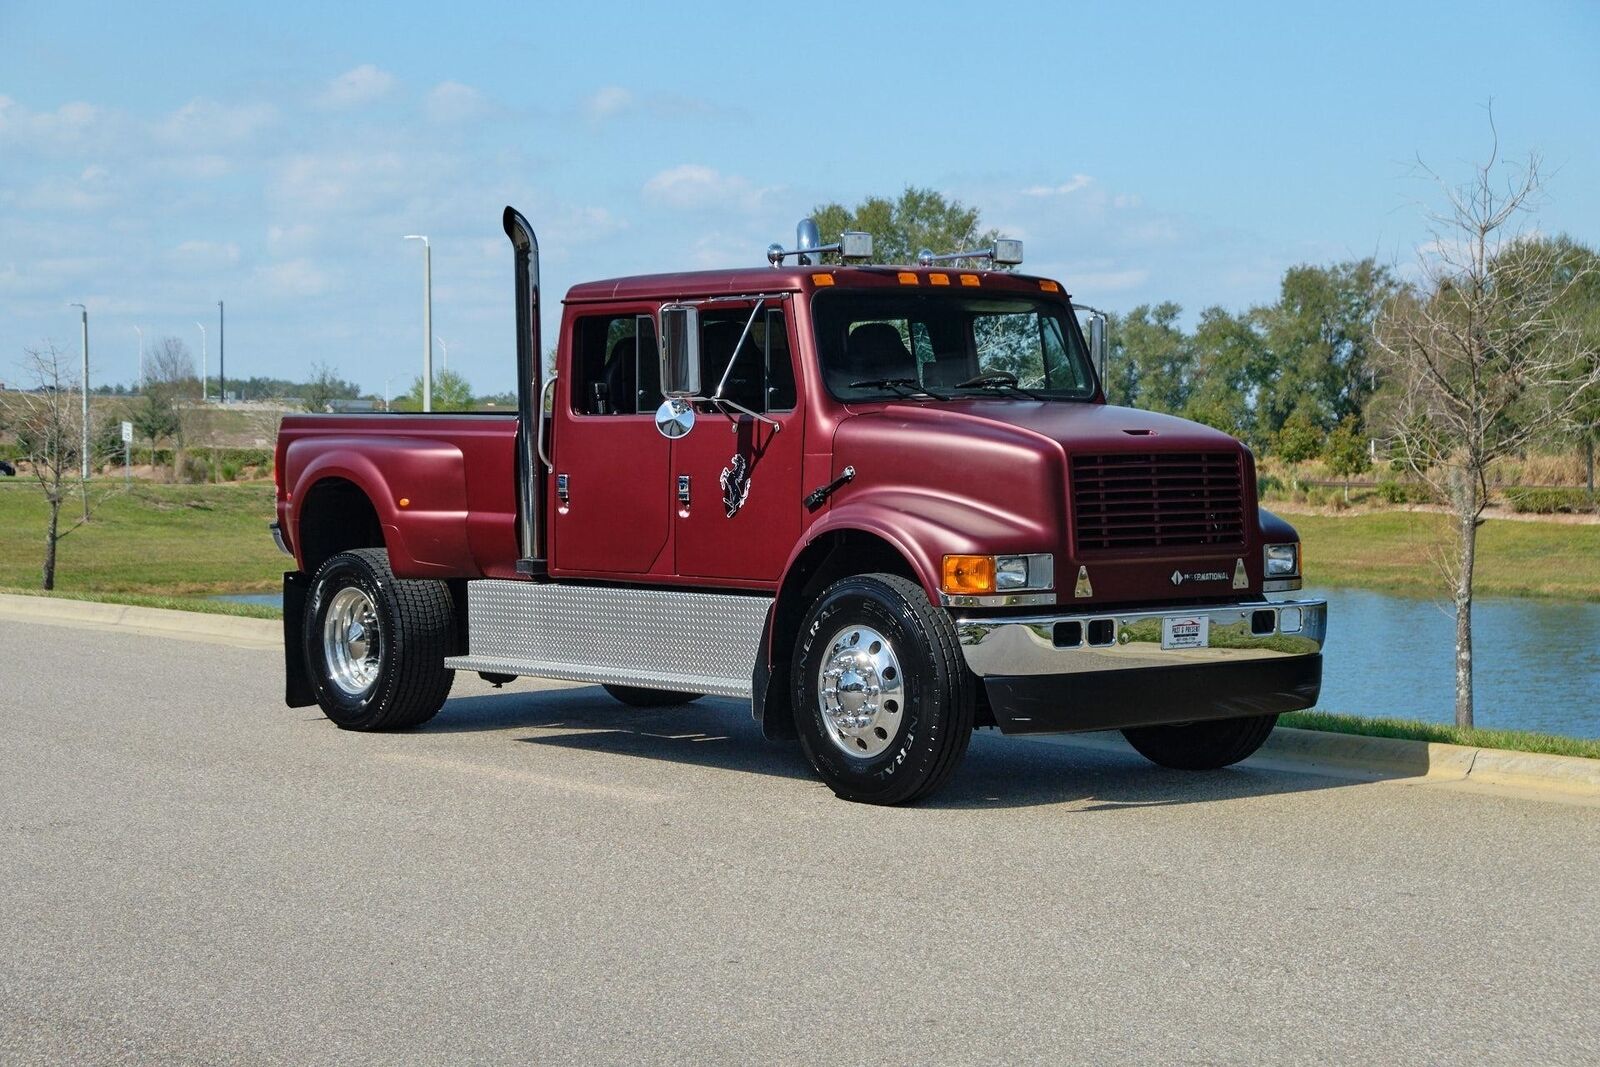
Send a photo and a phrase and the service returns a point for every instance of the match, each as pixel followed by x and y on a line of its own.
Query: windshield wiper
pixel 905 386
pixel 999 379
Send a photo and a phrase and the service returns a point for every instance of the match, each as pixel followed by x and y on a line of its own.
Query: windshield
pixel 875 345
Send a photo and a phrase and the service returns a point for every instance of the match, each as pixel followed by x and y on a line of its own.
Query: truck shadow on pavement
pixel 998 771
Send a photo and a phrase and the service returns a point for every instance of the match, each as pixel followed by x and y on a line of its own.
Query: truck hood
pixel 993 476
pixel 1075 427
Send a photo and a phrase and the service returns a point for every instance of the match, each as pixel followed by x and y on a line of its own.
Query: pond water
pixel 1538 661
pixel 267 600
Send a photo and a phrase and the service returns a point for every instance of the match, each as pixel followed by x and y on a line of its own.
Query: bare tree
pixel 47 421
pixel 1481 360
pixel 170 384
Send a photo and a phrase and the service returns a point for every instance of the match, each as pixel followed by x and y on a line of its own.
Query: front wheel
pixel 1202 746
pixel 883 699
pixel 375 644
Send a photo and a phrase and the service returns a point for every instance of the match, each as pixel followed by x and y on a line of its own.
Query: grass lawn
pixel 1515 740
pixel 154 545
pixel 1395 552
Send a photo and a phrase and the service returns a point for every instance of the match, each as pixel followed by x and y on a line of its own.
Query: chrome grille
pixel 1157 500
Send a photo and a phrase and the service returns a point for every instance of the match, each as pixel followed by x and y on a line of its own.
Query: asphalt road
pixel 191 872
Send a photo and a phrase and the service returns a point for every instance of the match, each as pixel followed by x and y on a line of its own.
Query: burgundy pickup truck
pixel 887 504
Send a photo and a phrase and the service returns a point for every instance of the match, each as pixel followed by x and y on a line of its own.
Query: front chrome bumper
pixel 1083 643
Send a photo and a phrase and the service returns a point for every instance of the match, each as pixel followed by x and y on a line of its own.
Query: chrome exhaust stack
pixel 530 395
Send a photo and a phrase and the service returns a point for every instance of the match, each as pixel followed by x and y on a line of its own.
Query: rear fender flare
pixel 426 536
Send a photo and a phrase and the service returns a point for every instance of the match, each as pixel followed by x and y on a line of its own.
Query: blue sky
pixel 155 158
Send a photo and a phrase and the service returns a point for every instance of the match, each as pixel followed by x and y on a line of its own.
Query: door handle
pixel 561 488
pixel 683 489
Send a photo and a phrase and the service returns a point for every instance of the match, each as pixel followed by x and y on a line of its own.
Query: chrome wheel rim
pixel 351 641
pixel 860 692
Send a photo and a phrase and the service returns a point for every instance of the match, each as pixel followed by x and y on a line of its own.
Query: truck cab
pixel 889 504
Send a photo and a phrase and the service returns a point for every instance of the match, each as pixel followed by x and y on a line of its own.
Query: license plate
pixel 1191 632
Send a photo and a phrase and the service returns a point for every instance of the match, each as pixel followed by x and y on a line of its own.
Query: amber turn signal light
pixel 968 574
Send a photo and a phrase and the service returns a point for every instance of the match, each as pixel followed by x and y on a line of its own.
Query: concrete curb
pixel 160 622
pixel 1315 751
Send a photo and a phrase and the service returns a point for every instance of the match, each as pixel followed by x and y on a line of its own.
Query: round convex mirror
pixel 675 417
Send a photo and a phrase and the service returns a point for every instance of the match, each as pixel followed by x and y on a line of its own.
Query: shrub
pixel 1269 485
pixel 196 470
pixel 1392 492
pixel 1533 501
pixel 230 471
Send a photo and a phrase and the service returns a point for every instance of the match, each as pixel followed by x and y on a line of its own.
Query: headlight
pixel 987 575
pixel 1281 561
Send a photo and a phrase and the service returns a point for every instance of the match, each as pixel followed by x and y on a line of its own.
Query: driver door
pixel 739 513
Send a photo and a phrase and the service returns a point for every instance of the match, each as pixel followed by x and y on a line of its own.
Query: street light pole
pixel 222 356
pixel 202 360
pixel 84 452
pixel 427 319
pixel 140 332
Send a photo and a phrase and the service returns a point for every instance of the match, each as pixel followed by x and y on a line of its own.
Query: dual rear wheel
pixel 375 644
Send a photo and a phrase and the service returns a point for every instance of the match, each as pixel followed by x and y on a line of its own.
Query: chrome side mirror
pixel 674 418
pixel 679 332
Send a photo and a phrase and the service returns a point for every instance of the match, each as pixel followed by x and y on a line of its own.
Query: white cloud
pixel 452 102
pixel 1066 188
pixel 296 235
pixel 614 101
pixel 360 85
pixel 692 186
pixel 340 180
pixel 198 255
pixel 1108 281
pixel 204 122
pixel 69 125
pixel 294 278
pixel 607 102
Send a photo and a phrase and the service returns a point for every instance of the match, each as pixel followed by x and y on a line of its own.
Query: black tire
pixel 414 624
pixel 636 697
pixel 935 721
pixel 1202 746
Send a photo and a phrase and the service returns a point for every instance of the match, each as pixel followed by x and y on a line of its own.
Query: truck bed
pixel 442 487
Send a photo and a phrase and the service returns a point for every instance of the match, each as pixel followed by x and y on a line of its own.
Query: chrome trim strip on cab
pixel 1086 642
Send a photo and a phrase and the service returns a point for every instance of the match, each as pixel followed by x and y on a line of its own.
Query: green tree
pixel 1318 339
pixel 1230 362
pixel 1569 273
pixel 900 228
pixel 1299 438
pixel 1345 451
pixel 451 392
pixel 155 419
pixel 1157 357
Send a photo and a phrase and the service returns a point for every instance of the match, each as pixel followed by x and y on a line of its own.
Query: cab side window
pixel 615 369
pixel 762 378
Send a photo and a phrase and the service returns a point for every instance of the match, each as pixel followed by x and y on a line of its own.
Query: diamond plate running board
pixel 655 638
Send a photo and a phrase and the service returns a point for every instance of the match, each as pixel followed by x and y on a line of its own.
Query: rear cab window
pixel 616 369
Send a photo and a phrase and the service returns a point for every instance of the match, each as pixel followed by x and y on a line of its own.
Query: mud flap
pixel 297 691
pixel 769 691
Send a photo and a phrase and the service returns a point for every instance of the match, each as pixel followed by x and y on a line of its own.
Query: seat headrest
pixel 875 350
